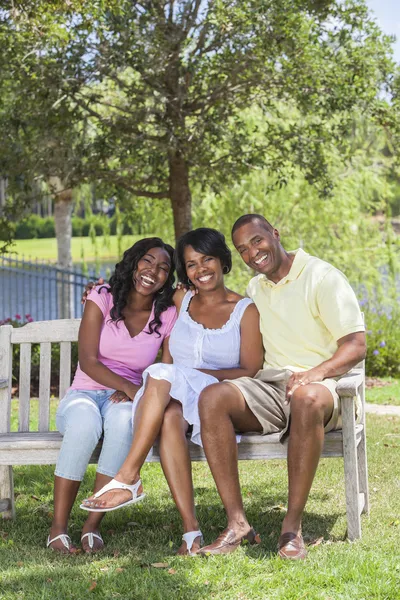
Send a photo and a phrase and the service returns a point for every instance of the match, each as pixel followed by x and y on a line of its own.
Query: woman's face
pixel 204 271
pixel 152 271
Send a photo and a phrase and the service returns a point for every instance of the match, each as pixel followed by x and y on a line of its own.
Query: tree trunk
pixel 181 198
pixel 63 226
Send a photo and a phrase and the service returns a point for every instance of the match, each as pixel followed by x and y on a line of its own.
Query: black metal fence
pixel 40 290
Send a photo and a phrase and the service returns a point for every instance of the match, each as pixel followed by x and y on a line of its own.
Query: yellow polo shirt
pixel 303 315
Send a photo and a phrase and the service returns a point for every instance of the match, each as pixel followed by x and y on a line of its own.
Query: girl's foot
pixel 59 541
pixel 91 541
pixel 191 543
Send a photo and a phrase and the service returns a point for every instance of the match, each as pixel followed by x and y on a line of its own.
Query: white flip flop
pixel 189 538
pixel 66 540
pixel 91 535
pixel 116 485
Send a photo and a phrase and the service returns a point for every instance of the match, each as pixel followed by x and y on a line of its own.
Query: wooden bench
pixel 25 447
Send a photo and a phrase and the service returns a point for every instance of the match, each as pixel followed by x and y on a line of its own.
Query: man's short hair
pixel 245 219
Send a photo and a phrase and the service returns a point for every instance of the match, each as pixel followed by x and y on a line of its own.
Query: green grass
pixel 46 248
pixel 387 394
pixel 149 532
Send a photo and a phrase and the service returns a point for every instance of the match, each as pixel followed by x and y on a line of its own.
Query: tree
pixel 165 84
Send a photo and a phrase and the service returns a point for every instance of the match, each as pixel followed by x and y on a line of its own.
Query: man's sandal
pixel 65 539
pixel 189 539
pixel 90 535
pixel 114 485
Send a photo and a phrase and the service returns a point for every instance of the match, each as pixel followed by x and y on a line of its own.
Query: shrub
pixel 383 341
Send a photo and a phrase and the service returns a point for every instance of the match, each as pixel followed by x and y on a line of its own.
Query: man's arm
pixel 351 350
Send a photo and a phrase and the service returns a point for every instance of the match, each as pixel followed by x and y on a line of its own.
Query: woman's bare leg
pixel 65 491
pixel 177 467
pixel 148 420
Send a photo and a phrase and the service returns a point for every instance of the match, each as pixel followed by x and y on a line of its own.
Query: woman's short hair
pixel 121 281
pixel 206 241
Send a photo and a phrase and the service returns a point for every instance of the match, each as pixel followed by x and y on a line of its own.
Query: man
pixel 313 333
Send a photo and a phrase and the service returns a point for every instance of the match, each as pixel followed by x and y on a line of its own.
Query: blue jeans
pixel 83 416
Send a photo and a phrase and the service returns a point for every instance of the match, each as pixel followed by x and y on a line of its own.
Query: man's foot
pixel 191 543
pixel 229 540
pixel 110 499
pixel 59 541
pixel 92 542
pixel 291 546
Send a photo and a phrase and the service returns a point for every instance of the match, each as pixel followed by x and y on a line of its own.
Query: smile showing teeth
pixel 147 281
pixel 261 260
pixel 205 278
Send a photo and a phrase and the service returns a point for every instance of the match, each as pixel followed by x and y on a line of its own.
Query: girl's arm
pixel 88 349
pixel 251 349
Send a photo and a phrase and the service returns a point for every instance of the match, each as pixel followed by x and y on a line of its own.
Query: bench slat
pixel 5 377
pixel 65 368
pixel 60 330
pixel 44 386
pixel 43 448
pixel 24 386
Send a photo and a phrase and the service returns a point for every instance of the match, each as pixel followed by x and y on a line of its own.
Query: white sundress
pixel 194 347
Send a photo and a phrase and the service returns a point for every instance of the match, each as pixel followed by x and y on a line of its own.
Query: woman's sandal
pixel 91 535
pixel 189 538
pixel 66 540
pixel 115 485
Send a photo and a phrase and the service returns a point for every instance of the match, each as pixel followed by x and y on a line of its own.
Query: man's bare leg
pixel 222 411
pixel 311 408
pixel 177 467
pixel 147 424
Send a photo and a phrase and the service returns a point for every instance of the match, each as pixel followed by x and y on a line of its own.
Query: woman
pixel 122 329
pixel 216 337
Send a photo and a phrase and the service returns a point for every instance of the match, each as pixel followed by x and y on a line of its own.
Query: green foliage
pixel 383 348
pixel 152 97
pixel 35 226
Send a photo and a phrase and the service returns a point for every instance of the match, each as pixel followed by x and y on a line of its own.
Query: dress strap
pixel 185 302
pixel 240 308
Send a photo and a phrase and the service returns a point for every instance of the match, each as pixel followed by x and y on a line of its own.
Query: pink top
pixel 124 355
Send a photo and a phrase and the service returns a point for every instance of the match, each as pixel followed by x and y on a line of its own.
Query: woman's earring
pixel 225 270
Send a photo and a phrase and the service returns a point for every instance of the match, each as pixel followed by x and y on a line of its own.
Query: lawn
pixel 140 537
pixel 385 391
pixel 46 248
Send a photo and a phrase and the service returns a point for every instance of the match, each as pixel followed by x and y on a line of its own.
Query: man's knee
pixel 312 402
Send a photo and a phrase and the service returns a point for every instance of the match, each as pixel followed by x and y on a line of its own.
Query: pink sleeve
pixel 102 299
pixel 170 319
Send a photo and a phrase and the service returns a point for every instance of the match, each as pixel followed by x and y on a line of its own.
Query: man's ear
pixel 276 234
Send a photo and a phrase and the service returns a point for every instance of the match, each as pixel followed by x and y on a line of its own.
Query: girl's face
pixel 204 271
pixel 152 271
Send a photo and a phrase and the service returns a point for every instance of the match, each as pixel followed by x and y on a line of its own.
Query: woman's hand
pixel 186 287
pixel 88 288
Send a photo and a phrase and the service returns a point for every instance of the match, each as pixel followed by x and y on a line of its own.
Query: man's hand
pixel 303 378
pixel 88 288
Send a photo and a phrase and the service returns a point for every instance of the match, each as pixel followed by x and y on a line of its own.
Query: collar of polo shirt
pixel 301 258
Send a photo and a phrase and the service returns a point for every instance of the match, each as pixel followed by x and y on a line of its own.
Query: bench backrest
pixel 45 333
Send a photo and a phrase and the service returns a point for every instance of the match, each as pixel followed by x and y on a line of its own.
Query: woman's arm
pixel 251 349
pixel 166 354
pixel 88 349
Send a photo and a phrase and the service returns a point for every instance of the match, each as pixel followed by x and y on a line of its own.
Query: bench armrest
pixel 347 386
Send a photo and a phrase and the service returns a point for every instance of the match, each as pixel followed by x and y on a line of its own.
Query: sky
pixel 387 13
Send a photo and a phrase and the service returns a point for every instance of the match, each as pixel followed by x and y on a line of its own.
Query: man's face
pixel 259 247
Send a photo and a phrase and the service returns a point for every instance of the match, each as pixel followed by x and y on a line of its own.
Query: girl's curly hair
pixel 121 282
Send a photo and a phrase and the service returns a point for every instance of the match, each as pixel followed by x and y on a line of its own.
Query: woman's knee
pixel 173 418
pixel 212 400
pixel 80 420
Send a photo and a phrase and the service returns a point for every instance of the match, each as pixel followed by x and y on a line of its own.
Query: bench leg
pixel 351 481
pixel 7 503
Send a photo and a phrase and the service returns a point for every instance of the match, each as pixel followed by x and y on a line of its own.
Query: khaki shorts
pixel 265 395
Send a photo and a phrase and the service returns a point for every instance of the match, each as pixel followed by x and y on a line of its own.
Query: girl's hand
pixel 119 396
